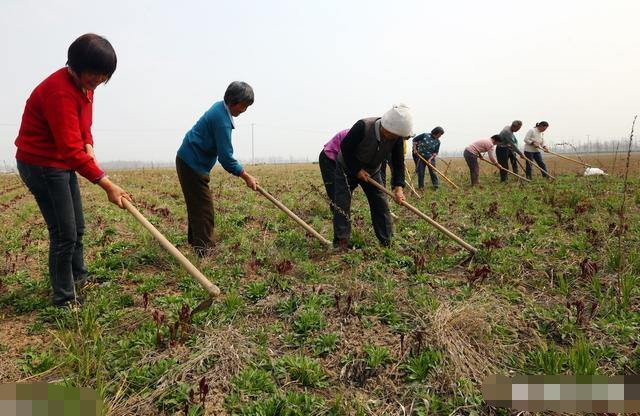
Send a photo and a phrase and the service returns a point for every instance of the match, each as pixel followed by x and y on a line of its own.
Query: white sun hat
pixel 398 121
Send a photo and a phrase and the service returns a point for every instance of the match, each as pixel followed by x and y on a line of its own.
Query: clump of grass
pixel 309 319
pixel 548 360
pixel 232 305
pixel 418 366
pixel 290 404
pixel 304 370
pixel 627 282
pixel 289 306
pixel 583 358
pixel 34 362
pixel 376 356
pixel 325 344
pixel 257 290
pixel 253 381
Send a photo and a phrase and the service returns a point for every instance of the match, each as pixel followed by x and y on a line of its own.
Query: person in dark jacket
pixel 54 142
pixel 507 149
pixel 362 151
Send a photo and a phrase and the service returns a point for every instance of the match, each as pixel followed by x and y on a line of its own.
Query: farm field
pixel 301 329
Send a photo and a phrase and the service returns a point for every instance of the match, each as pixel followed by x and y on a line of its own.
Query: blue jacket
pixel 209 141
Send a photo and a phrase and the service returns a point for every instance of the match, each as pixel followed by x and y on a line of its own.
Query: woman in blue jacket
pixel 209 141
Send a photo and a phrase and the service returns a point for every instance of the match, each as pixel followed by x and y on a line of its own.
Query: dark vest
pixel 370 152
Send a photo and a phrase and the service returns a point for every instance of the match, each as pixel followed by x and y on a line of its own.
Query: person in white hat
pixel 368 143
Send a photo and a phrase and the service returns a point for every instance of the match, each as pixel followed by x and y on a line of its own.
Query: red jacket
pixel 56 125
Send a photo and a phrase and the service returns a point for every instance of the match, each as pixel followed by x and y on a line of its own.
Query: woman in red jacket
pixel 53 143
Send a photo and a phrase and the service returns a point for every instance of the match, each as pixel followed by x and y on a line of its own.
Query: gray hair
pixel 238 92
pixel 517 123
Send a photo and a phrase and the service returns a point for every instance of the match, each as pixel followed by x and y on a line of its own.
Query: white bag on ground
pixel 593 171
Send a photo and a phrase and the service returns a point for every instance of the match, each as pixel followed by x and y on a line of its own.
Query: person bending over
pixel 475 151
pixel 362 151
pixel 507 149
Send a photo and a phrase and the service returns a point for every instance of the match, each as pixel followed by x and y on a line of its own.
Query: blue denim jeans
pixel 58 196
pixel 421 167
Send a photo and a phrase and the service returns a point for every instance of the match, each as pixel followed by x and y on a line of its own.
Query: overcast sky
pixel 317 67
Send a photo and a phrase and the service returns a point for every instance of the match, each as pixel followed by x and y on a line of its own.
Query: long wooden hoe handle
pixel 437 171
pixel 568 158
pixel 408 175
pixel 419 213
pixel 293 216
pixel 193 271
pixel 446 163
pixel 506 170
pixel 536 165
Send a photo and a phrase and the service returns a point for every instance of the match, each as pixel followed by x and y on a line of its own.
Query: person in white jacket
pixel 533 142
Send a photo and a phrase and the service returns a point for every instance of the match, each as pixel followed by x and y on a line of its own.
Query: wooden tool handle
pixel 506 170
pixel 293 216
pixel 431 221
pixel 568 158
pixel 406 172
pixel 536 165
pixel 193 271
pixel 437 171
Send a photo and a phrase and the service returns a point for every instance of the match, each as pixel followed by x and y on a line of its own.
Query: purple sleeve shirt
pixel 332 147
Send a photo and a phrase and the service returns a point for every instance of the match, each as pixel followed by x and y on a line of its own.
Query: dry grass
pixel 464 332
pixel 226 348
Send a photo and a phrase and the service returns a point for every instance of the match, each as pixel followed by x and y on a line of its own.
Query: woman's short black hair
pixel 93 54
pixel 495 138
pixel 437 130
pixel 542 124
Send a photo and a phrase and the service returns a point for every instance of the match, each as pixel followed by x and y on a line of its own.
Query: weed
pixel 288 306
pixel 548 360
pixel 290 404
pixel 33 362
pixel 376 356
pixel 325 344
pixel 231 305
pixel 257 290
pixel 417 367
pixel 309 319
pixel 628 283
pixel 304 370
pixel 253 381
pixel 583 359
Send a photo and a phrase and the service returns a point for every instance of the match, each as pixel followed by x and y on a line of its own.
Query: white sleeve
pixel 528 139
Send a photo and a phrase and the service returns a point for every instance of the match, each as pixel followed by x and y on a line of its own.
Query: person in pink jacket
pixel 475 150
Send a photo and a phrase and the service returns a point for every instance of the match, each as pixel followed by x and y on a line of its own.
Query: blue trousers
pixel 420 168
pixel 58 196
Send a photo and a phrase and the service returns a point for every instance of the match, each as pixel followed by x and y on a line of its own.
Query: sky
pixel 318 67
